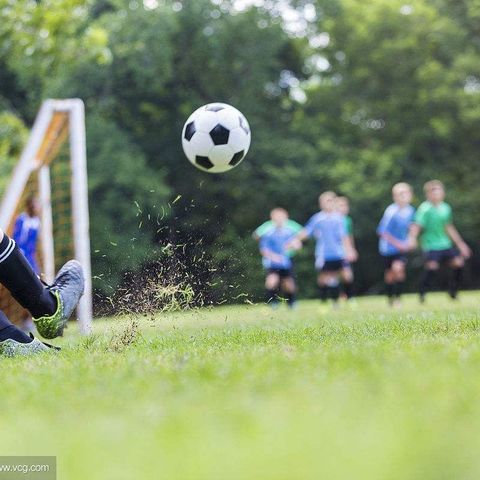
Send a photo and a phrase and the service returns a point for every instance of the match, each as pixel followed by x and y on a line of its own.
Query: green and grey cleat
pixel 68 288
pixel 12 348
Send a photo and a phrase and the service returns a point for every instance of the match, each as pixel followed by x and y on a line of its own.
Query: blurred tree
pixel 340 94
pixel 13 134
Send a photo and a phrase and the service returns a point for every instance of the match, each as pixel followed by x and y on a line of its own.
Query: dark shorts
pixel 281 272
pixel 389 259
pixel 332 266
pixel 441 255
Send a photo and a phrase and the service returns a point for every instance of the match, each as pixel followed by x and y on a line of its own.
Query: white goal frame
pixel 56 122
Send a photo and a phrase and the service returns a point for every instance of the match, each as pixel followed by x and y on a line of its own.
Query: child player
pixel 343 208
pixel 393 231
pixel 333 245
pixel 277 260
pixel 26 232
pixel 439 239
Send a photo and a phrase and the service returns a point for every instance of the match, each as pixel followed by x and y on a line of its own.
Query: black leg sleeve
pixel 10 331
pixel 18 277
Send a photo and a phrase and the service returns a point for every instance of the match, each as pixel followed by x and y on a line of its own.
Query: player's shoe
pixel 68 288
pixel 12 348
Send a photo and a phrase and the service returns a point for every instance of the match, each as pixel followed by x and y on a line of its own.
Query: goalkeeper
pixel 50 306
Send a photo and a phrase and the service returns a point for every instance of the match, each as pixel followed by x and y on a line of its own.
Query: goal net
pixel 53 169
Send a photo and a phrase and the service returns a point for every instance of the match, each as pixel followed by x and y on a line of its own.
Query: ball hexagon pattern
pixel 216 137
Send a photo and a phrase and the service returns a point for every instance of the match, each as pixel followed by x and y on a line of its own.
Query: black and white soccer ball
pixel 216 137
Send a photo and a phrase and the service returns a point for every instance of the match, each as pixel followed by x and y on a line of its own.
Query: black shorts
pixel 332 266
pixel 281 272
pixel 441 255
pixel 389 259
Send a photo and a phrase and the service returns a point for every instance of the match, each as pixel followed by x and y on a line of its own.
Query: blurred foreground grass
pixel 247 393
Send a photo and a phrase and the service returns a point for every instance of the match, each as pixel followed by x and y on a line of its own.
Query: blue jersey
pixel 329 230
pixel 396 221
pixel 274 241
pixel 25 234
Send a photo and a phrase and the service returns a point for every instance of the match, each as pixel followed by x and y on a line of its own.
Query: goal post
pixel 58 178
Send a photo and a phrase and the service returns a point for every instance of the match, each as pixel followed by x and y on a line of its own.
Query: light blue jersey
pixel 274 240
pixel 396 221
pixel 329 230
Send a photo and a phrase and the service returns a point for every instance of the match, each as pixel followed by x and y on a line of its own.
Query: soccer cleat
pixel 68 288
pixel 12 348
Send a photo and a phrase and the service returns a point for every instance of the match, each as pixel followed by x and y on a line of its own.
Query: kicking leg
pixel 18 277
pixel 51 306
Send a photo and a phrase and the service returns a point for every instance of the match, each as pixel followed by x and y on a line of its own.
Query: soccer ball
pixel 216 137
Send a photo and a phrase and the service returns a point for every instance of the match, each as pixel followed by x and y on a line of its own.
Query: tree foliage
pixel 341 94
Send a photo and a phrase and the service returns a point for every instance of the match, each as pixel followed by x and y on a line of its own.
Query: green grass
pixel 247 393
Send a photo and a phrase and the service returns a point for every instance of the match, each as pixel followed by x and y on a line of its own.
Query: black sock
pixel 271 296
pixel 426 281
pixel 323 293
pixel 348 289
pixel 390 291
pixel 10 331
pixel 398 289
pixel 291 298
pixel 18 277
pixel 334 293
pixel 454 283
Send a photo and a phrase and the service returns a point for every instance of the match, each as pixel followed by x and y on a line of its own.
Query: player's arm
pixel 295 243
pixel 458 240
pixel 413 234
pixel 274 257
pixel 416 227
pixel 350 252
pixel 354 247
pixel 267 252
pixel 402 246
pixel 261 230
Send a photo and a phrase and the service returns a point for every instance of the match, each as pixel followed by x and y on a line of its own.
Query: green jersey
pixel 267 226
pixel 349 225
pixel 433 220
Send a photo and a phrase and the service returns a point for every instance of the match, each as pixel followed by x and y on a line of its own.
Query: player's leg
pixel 15 342
pixel 398 272
pixel 347 280
pixel 331 280
pixel 272 284
pixel 290 289
pixel 457 263
pixel 322 286
pixel 389 279
pixel 428 276
pixel 52 306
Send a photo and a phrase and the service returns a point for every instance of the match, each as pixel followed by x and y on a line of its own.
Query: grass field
pixel 248 393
